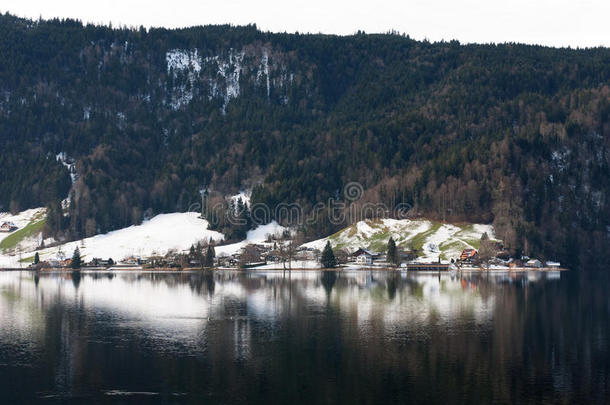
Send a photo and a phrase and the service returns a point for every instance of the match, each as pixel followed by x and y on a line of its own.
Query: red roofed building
pixel 468 255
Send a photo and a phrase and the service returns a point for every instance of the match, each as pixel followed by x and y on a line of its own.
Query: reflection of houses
pixel 468 255
pixel 8 227
pixel 366 257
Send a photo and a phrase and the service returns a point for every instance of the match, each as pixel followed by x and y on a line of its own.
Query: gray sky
pixel 576 23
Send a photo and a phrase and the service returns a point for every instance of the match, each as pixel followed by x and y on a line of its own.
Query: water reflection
pixel 301 336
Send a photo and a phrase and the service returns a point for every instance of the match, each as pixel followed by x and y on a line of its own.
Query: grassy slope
pixel 417 242
pixel 35 226
pixel 378 240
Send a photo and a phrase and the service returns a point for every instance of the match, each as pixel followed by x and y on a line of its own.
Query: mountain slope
pixel 511 134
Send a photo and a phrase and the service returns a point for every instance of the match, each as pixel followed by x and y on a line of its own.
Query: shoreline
pixel 300 269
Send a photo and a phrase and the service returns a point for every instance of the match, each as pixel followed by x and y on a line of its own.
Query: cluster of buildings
pixel 471 257
pixel 253 255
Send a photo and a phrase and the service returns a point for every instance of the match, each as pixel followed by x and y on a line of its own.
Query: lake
pixel 306 337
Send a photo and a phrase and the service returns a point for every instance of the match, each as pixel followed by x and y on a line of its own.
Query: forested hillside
pixel 511 134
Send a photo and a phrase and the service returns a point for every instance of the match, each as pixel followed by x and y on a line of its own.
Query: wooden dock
pixel 427 267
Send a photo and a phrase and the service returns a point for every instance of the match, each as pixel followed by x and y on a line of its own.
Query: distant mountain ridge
pixel 511 134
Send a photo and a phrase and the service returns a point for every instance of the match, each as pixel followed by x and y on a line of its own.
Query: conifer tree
pixel 76 259
pixel 328 257
pixel 209 257
pixel 391 252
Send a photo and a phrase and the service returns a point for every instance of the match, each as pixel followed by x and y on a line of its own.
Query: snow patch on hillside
pixel 157 236
pixel 263 69
pixel 69 164
pixel 180 62
pixel 228 71
pixel 255 236
pixel 244 195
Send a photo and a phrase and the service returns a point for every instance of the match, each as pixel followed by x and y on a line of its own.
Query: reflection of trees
pixel 393 282
pixel 284 339
pixel 328 280
pixel 76 276
pixel 209 282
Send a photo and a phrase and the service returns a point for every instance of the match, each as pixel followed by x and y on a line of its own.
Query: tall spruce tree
pixel 328 257
pixel 391 252
pixel 76 259
pixel 209 257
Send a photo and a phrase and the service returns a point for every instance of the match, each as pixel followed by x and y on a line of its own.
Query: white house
pixel 533 263
pixel 364 256
pixel 552 264
pixel 364 259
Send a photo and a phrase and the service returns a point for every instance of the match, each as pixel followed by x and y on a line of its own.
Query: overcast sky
pixel 576 23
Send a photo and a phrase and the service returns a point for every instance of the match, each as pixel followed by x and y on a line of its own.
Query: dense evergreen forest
pixel 512 134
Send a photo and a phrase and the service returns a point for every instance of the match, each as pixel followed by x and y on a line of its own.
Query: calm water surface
pixel 306 337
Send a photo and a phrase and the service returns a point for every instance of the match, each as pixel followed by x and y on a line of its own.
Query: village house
pixel 8 227
pixel 54 263
pixel 533 263
pixel 468 255
pixel 364 256
pixel 98 262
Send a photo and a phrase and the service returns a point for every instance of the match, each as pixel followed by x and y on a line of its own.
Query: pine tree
pixel 328 257
pixel 391 253
pixel 36 258
pixel 209 257
pixel 76 260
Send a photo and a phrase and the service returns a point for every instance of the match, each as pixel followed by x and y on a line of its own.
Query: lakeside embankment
pixel 196 269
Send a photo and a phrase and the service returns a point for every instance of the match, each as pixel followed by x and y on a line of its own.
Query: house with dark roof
pixel 8 227
pixel 364 256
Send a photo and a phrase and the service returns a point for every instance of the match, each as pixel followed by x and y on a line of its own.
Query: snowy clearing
pixel 257 236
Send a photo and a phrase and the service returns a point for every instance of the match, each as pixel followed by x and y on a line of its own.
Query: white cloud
pixel 557 22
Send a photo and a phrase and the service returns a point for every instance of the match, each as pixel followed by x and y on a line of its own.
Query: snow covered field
pixel 157 236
